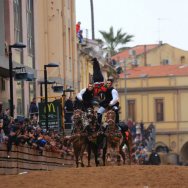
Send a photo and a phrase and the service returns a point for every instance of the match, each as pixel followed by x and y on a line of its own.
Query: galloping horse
pixel 78 138
pixel 114 137
pixel 91 130
pixel 127 139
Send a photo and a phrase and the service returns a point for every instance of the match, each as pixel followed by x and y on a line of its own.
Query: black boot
pixel 117 117
pixel 99 118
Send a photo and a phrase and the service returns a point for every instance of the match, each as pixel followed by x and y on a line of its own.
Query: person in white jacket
pixel 111 99
pixel 85 97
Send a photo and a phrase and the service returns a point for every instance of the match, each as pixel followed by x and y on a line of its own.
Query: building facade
pixel 158 94
pixel 47 28
pixel 152 54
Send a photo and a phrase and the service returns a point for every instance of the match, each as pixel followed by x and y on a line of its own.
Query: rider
pixel 111 99
pixel 85 97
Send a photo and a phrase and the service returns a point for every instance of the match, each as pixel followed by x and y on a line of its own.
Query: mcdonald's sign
pixel 54 115
pixel 51 108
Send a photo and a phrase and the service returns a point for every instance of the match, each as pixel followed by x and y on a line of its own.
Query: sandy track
pixel 133 176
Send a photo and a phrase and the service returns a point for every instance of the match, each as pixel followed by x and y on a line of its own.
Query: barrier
pixel 172 158
pixel 24 159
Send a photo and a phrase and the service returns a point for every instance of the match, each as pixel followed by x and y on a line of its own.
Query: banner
pixel 54 115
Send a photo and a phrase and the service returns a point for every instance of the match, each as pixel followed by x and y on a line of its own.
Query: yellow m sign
pixel 51 108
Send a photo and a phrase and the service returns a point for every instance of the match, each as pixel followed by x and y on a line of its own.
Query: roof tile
pixel 157 71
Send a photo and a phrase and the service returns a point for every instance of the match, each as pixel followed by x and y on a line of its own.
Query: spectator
pixel 80 36
pixel 13 136
pixel 154 158
pixel 133 130
pixel 2 135
pixel 138 132
pixel 33 109
pixel 68 109
pixel 130 123
pixel 6 121
pixel 142 128
pixel 78 27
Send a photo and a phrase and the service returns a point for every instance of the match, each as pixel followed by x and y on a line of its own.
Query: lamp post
pixel 46 92
pixel 19 46
pixel 125 91
pixel 41 89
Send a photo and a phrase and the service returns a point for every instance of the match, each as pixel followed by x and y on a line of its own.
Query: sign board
pixel 54 115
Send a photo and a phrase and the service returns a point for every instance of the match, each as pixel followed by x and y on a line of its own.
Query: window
pixel 182 59
pixel 17 21
pixel 20 97
pixel 131 109
pixel 3 84
pixel 32 90
pixel 159 108
pixel 30 29
pixel 165 62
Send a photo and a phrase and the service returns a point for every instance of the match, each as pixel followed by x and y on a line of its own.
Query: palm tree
pixel 112 41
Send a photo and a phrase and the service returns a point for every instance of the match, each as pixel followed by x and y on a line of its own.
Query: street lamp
pixel 41 90
pixel 46 92
pixel 20 46
pixel 120 70
pixel 125 91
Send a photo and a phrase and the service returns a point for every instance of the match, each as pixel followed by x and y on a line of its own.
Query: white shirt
pixel 79 95
pixel 115 97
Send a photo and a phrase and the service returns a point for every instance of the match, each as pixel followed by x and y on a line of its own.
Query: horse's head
pixel 110 116
pixel 110 119
pixel 90 113
pixel 78 120
pixel 77 114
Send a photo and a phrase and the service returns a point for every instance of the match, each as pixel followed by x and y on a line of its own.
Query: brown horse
pixel 114 138
pixel 127 140
pixel 78 138
pixel 127 137
pixel 91 130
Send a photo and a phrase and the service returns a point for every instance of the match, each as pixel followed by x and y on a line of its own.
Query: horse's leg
pixel 76 154
pixel 104 155
pixel 130 150
pixel 118 159
pixel 83 147
pixel 121 151
pixel 95 151
pixel 89 153
pixel 104 150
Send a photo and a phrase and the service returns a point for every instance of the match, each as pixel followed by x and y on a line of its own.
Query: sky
pixel 150 21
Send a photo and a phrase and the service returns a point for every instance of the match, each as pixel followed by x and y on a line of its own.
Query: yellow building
pixel 56 41
pixel 158 94
pixel 47 28
pixel 152 54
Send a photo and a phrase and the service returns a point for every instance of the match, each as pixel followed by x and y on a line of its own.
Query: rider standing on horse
pixel 111 100
pixel 84 98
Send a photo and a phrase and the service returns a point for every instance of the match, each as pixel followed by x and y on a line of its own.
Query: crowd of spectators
pixel 25 131
pixel 143 142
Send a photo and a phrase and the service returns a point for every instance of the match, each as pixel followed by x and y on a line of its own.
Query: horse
pixel 78 137
pixel 114 138
pixel 127 140
pixel 91 130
